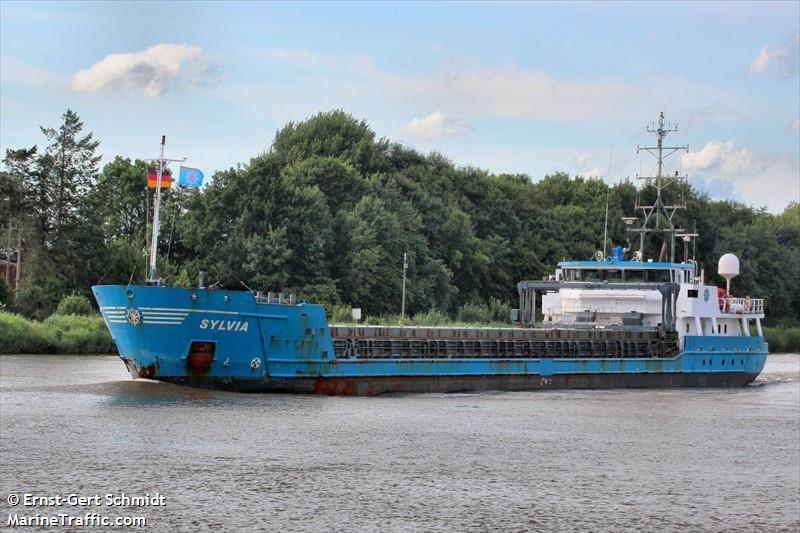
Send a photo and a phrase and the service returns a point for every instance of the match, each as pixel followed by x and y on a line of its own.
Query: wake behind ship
pixel 604 323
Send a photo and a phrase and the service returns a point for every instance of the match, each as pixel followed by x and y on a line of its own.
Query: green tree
pixel 66 248
pixel 74 304
pixel 3 291
pixel 331 134
pixel 123 186
pixel 68 168
pixel 341 184
pixel 16 208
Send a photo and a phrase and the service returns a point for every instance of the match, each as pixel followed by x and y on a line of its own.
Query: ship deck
pixel 378 342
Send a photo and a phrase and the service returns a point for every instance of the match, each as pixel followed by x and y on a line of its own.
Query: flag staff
pixel 152 278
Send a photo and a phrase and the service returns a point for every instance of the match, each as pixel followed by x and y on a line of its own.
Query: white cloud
pixel 587 156
pixel 757 179
pixel 708 114
pixel 152 70
pixel 509 91
pixel 505 90
pixel 726 158
pixel 716 187
pixel 596 172
pixel 608 164
pixel 762 60
pixel 435 125
pixel 775 187
pixel 477 90
pixel 784 62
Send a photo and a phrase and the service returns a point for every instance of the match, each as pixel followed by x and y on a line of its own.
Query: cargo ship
pixel 609 322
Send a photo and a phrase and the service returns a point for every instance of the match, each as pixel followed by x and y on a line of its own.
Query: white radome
pixel 728 266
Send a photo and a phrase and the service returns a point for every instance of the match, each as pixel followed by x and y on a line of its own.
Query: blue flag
pixel 190 177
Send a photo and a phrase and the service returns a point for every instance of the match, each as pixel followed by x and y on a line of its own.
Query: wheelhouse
pixel 625 271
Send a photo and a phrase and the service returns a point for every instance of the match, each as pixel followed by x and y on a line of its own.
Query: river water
pixel 623 460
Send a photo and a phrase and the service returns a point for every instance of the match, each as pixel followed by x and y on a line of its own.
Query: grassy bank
pixel 63 334
pixel 783 339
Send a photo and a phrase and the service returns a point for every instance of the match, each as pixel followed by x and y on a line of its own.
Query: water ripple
pixel 622 460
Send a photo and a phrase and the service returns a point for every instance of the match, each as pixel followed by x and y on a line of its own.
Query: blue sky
pixel 510 87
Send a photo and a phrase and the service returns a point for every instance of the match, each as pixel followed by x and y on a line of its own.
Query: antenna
pixel 608 193
pixel 403 302
pixel 659 210
pixel 605 224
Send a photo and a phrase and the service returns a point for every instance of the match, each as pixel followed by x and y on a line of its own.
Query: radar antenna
pixel 658 216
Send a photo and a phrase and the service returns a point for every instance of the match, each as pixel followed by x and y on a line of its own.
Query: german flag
pixel 152 178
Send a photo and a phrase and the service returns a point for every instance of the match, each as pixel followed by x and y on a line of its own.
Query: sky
pixel 516 87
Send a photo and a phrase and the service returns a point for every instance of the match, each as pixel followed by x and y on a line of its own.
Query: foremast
pixel 152 276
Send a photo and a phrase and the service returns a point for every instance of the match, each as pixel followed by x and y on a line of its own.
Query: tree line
pixel 327 212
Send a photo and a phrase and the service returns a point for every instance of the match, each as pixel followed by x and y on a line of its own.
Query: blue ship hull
pixel 229 340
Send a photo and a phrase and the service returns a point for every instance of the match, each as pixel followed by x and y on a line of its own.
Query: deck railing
pixel 275 298
pixel 741 306
pixel 590 312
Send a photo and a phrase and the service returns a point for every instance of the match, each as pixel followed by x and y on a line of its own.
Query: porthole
pixel 726 328
pixel 704 362
pixel 723 362
pixel 741 362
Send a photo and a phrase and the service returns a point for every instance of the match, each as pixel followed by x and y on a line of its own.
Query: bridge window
pixel 692 293
pixel 613 275
pixel 591 275
pixel 573 274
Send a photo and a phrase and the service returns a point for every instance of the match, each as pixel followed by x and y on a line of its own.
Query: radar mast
pixel 658 216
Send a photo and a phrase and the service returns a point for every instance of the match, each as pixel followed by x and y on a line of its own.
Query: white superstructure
pixel 641 294
pixel 699 309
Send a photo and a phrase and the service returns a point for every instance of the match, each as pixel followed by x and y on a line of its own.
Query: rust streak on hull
pixel 145 372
